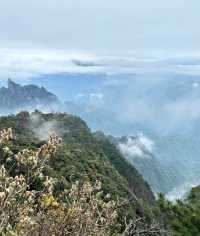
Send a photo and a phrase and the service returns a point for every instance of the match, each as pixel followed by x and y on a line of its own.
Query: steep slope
pixel 182 216
pixel 139 152
pixel 123 166
pixel 81 154
pixel 16 97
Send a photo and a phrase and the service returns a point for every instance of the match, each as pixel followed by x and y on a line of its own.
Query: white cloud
pixel 29 63
pixel 136 147
pixel 131 149
pixel 195 85
pixel 26 63
pixel 182 191
pixel 43 129
pixel 146 142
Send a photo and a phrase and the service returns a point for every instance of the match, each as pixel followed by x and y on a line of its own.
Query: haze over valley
pixel 99 118
pixel 153 110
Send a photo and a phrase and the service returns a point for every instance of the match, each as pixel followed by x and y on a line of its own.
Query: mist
pixel 157 96
pixel 43 129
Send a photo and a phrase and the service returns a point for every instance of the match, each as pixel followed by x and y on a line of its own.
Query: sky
pixel 130 49
pixel 115 36
pixel 100 25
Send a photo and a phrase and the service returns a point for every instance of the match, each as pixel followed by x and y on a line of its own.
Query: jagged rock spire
pixel 12 85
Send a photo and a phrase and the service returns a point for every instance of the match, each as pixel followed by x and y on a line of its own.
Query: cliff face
pixel 16 97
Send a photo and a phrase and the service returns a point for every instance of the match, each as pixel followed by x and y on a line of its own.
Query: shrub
pixel 30 203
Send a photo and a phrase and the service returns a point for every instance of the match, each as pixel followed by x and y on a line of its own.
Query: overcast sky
pixel 101 29
pixel 114 25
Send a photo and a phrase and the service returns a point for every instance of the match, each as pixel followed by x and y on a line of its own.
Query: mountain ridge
pixel 17 96
pixel 139 154
pixel 81 154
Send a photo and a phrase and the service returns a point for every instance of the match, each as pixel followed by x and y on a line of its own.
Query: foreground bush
pixel 30 204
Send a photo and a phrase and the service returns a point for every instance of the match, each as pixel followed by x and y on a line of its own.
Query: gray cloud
pixel 100 24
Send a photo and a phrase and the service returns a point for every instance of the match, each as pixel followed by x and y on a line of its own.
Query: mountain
pixel 138 150
pixel 81 155
pixel 121 164
pixel 162 168
pixel 16 97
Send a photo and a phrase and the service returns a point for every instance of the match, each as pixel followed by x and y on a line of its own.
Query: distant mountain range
pixel 17 97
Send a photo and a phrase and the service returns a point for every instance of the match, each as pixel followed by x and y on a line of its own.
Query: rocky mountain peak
pixel 18 97
pixel 12 84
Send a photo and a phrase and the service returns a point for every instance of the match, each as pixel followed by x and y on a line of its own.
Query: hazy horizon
pixel 127 68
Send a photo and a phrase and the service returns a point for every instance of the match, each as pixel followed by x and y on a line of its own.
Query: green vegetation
pixel 30 203
pixel 84 158
pixel 81 153
pixel 183 217
pixel 45 189
pixel 132 176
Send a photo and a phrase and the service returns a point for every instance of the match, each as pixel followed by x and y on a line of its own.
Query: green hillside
pixel 81 153
pixel 183 216
pixel 127 170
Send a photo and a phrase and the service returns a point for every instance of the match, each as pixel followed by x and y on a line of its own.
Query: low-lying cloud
pixel 25 63
pixel 43 129
pixel 137 88
pixel 181 192
pixel 137 147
